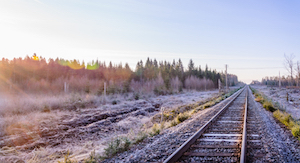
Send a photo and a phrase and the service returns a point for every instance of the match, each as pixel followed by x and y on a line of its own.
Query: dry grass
pixel 32 110
pixel 16 124
pixel 287 120
pixel 24 115
pixel 21 105
pixel 267 103
pixel 282 116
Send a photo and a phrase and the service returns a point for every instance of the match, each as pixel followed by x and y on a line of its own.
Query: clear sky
pixel 245 34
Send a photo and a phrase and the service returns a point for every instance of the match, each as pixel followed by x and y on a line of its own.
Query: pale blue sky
pixel 242 34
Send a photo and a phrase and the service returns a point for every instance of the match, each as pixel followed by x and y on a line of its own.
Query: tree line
pixel 293 69
pixel 37 74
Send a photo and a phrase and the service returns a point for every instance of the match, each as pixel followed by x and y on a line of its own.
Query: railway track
pixel 224 137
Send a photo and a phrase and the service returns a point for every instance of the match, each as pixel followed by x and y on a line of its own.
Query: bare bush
pixel 289 65
pixel 195 83
pixel 148 86
pixel 75 84
pixel 175 84
pixel 298 72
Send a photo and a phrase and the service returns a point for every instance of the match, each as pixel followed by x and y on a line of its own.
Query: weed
pixel 140 137
pixel 173 123
pixel 180 89
pixel 287 120
pixel 46 109
pixel 137 97
pixel 87 89
pixel 67 159
pixel 269 106
pixel 92 158
pixel 155 130
pixel 100 91
pixel 117 145
pixel 114 102
pixel 284 118
pixel 258 99
pixel 111 90
pixel 207 105
pixel 296 131
pixel 195 110
pixel 182 117
pixel 159 91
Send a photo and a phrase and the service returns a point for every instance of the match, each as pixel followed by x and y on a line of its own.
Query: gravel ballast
pixel 159 147
pixel 278 143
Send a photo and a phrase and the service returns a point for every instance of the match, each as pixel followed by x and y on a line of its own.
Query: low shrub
pixel 284 118
pixel 140 137
pixel 46 109
pixel 118 144
pixel 159 91
pixel 207 105
pixel 296 131
pixel 87 89
pixel 114 102
pixel 92 158
pixel 155 130
pixel 67 159
pixel 136 96
pixel 287 120
pixel 121 144
pixel 173 123
pixel 258 99
pixel 112 90
pixel 269 106
pixel 182 117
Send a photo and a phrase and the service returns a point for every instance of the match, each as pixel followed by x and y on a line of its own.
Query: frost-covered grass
pixel 267 103
pixel 287 120
pixel 278 112
pixel 22 105
pixel 33 110
pixel 182 113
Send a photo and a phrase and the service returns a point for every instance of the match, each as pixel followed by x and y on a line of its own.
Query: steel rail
pixel 244 138
pixel 186 145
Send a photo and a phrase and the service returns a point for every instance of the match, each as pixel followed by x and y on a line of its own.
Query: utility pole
pixel 226 78
pixel 66 87
pixel 219 83
pixel 279 81
pixel 104 92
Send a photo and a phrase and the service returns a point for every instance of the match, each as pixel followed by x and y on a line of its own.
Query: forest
pixel 37 75
pixel 291 80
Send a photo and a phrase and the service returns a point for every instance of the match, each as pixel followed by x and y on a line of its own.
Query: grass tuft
pixel 269 106
pixel 92 158
pixel 182 117
pixel 155 130
pixel 282 116
pixel 288 121
pixel 267 103
pixel 67 159
pixel 118 144
pixel 296 131
pixel 140 137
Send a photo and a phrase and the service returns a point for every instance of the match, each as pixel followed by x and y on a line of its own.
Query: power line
pixel 258 68
pixel 245 68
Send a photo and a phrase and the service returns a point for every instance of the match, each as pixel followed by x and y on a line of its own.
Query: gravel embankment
pixel 290 104
pixel 159 147
pixel 278 142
